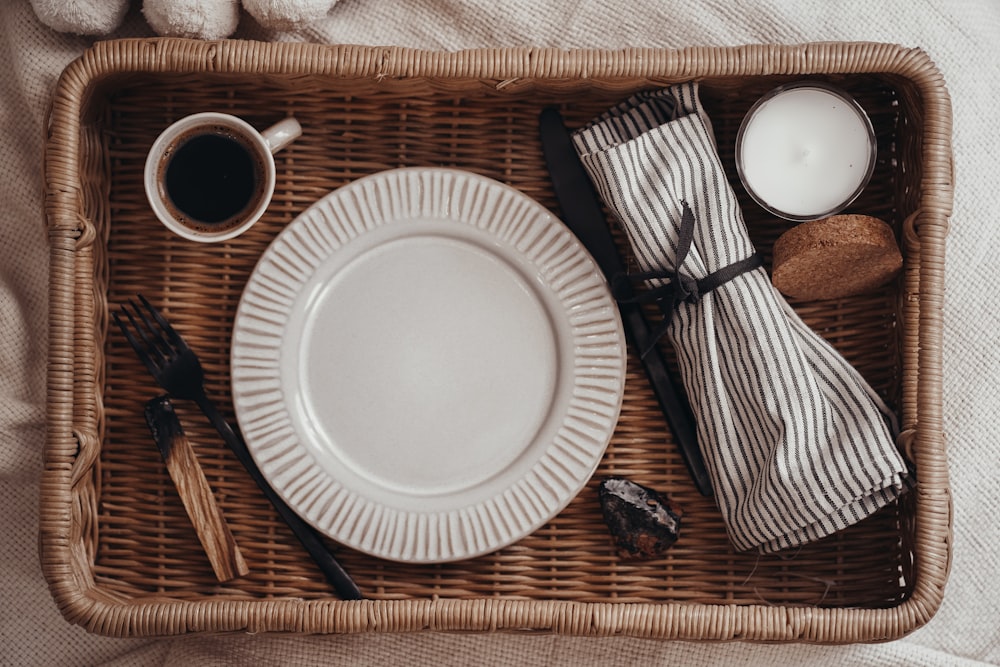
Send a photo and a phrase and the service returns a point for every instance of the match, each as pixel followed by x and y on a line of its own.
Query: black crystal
pixel 640 519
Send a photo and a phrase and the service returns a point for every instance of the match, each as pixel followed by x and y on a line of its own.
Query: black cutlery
pixel 176 368
pixel 582 213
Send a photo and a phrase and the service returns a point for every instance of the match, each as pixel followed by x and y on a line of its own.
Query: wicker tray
pixel 117 549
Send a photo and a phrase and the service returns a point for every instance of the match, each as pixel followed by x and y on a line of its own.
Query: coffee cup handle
pixel 281 134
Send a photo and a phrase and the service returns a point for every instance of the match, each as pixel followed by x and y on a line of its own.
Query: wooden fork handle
pixel 195 493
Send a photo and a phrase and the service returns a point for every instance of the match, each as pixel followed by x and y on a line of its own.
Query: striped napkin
pixel 796 443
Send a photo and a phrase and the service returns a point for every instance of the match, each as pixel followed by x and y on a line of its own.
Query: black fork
pixel 176 368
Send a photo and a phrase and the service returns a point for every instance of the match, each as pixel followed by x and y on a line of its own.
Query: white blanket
pixel 961 36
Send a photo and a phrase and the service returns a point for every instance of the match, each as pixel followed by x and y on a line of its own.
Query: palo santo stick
pixel 199 501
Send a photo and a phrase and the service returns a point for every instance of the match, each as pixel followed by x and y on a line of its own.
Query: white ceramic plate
pixel 427 365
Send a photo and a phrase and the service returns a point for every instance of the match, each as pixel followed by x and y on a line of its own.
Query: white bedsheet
pixel 961 36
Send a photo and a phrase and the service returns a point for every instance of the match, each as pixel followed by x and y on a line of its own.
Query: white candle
pixel 805 151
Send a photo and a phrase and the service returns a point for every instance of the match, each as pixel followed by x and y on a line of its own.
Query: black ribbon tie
pixel 677 287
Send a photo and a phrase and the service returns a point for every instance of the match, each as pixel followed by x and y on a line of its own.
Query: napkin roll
pixel 796 443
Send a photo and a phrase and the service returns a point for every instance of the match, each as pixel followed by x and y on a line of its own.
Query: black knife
pixel 582 213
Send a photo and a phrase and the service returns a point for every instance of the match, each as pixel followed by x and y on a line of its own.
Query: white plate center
pixel 427 366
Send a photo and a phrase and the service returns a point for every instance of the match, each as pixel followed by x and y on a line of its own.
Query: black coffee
pixel 212 178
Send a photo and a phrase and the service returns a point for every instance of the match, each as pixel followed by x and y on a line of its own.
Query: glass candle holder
pixel 805 151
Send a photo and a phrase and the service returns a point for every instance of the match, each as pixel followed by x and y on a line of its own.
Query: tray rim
pixel 70 451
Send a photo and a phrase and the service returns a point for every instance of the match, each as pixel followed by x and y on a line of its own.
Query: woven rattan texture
pixel 131 541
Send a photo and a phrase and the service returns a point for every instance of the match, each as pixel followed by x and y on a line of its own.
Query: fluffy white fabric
pixel 287 14
pixel 81 17
pixel 960 35
pixel 198 19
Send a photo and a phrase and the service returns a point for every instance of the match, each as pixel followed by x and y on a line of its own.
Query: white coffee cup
pixel 210 176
